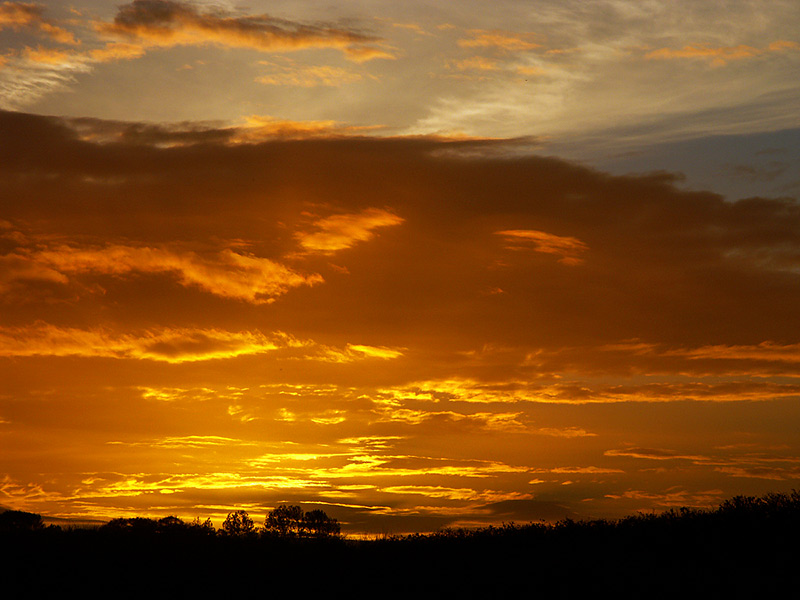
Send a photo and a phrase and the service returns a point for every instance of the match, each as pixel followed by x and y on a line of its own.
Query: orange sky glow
pixel 416 266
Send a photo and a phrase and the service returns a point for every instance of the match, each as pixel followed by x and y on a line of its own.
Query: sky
pixel 418 264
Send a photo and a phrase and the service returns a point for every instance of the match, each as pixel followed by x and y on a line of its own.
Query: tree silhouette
pixel 291 521
pixel 206 526
pixel 171 524
pixel 134 525
pixel 286 521
pixel 318 524
pixel 17 520
pixel 238 523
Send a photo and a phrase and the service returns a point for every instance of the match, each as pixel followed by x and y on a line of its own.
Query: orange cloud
pixel 310 76
pixel 765 351
pixel 449 493
pixel 375 351
pixel 702 499
pixel 720 56
pixel 341 231
pixel 360 54
pixel 15 268
pixel 227 273
pixel 350 353
pixel 16 15
pixel 578 470
pixel 177 345
pixel 50 56
pixel 117 51
pixel 503 40
pixel 260 128
pixel 771 473
pixel 165 23
pixel 172 345
pixel 530 71
pixel 568 248
pixel 371 466
pixel 477 63
pixel 654 454
pixel 567 432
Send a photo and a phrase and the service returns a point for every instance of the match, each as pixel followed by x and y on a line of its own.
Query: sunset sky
pixel 418 264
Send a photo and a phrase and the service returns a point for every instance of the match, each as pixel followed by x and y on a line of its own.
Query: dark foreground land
pixel 746 548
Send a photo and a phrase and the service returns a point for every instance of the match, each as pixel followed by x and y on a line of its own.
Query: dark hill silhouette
pixel 747 547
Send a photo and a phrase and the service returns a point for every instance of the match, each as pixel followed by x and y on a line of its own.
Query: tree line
pixel 285 521
pixel 745 548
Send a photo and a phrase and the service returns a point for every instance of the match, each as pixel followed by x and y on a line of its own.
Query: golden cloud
pixel 591 470
pixel 503 40
pixel 179 345
pixel 448 493
pixel 260 128
pixel 360 54
pixel 765 351
pixel 342 231
pixel 530 71
pixel 188 441
pixel 761 472
pixel 140 483
pixel 568 248
pixel 673 499
pixel 565 432
pixel 116 51
pixel 654 454
pixel 172 345
pixel 477 63
pixel 719 56
pixel 370 466
pixel 227 273
pixel 310 76
pixel 375 351
pixel 50 56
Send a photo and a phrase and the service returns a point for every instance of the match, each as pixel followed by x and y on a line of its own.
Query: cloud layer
pixel 410 331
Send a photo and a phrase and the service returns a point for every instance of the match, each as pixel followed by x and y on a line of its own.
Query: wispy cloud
pixel 567 248
pixel 176 345
pixel 721 55
pixel 765 351
pixel 308 76
pixel 475 63
pixel 172 345
pixel 654 454
pixel 164 23
pixel 502 40
pixel 226 273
